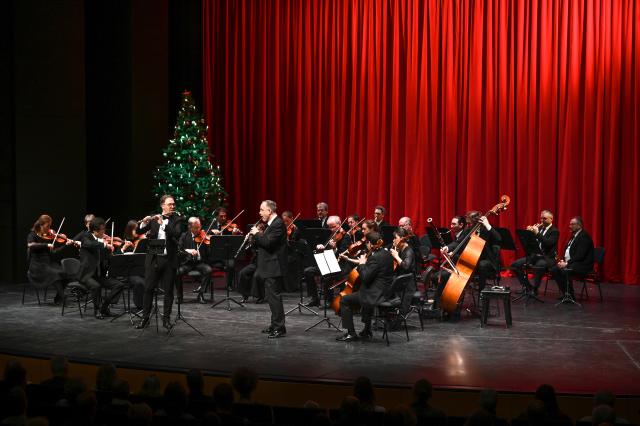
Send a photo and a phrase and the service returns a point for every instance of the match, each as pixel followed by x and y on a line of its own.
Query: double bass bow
pixel 467 260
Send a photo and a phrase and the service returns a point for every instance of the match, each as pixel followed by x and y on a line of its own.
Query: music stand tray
pixel 330 270
pixel 223 248
pixel 308 223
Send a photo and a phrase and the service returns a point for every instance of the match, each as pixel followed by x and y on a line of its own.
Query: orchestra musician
pixel 221 225
pixel 412 239
pixel 271 264
pixel 95 251
pixel 322 211
pixel 547 236
pixel 160 269
pixel 87 220
pixel 488 263
pixel 42 269
pixel 356 230
pixel 131 242
pixel 196 245
pixel 247 285
pixel 378 217
pixel 405 261
pixel 294 253
pixel 293 232
pixel 312 273
pixel 576 258
pixel 376 274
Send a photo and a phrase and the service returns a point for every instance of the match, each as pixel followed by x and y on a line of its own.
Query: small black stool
pixel 499 294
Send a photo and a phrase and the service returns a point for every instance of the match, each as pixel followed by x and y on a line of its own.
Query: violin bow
pixel 334 234
pixel 231 221
pixel 58 231
pixel 294 219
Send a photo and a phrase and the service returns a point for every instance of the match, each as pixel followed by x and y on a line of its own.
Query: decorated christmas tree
pixel 188 174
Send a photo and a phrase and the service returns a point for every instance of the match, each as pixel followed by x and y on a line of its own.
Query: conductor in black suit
pixel 271 264
pixel 160 269
pixel 547 236
pixel 577 255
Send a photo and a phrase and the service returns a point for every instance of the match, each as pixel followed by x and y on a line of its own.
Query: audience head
pixel 363 390
pixel 121 389
pixel 244 380
pixel 59 366
pixel 480 418
pixel 603 414
pixel 350 411
pixel 140 415
pixel 195 382
pixel 422 391
pixel 604 397
pixel 223 397
pixel 400 416
pixel 16 402
pixel 151 386
pixel 86 408
pixel 73 388
pixel 547 394
pixel 489 400
pixel 175 399
pixel 14 374
pixel 106 377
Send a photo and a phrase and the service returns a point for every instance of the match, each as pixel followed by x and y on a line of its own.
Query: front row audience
pixel 66 401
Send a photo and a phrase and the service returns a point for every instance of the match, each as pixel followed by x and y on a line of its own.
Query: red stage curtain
pixel 431 108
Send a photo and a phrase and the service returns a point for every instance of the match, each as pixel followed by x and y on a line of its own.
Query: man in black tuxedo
pixel 376 275
pixel 378 217
pixel 94 254
pixel 197 255
pixel 578 257
pixel 322 211
pixel 271 263
pixel 547 236
pixel 160 269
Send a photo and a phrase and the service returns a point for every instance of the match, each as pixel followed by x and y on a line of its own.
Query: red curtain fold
pixel 431 108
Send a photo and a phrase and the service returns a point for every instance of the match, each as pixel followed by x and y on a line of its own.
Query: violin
pixel 52 238
pixel 201 238
pixel 290 230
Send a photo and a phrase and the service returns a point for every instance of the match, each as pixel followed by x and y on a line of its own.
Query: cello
pixel 467 261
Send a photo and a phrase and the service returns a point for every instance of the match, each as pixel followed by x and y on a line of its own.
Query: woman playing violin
pixel 405 263
pixel 130 239
pixel 43 270
pixel 293 233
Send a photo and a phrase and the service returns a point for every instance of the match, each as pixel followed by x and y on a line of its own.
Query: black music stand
pixel 567 297
pixel 330 271
pixel 301 247
pixel 308 223
pixel 315 236
pixel 155 248
pixel 126 265
pixel 180 317
pixel 224 248
pixel 531 248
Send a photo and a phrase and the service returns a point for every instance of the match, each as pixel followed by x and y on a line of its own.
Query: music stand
pixel 315 236
pixel 224 248
pixel 180 317
pixel 300 247
pixel 126 265
pixel 308 223
pixel 567 297
pixel 330 270
pixel 531 248
pixel 387 234
pixel 507 242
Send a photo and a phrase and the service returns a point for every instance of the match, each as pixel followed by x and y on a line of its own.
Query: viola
pixel 201 238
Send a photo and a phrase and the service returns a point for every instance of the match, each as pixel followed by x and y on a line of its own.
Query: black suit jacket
pixel 187 242
pixel 174 229
pixel 375 277
pixel 271 244
pixel 93 257
pixel 549 242
pixel 581 253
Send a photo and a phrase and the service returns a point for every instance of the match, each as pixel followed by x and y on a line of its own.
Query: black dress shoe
pixel 197 290
pixel 365 334
pixel 200 299
pixel 143 324
pixel 347 337
pixel 98 315
pixel 259 300
pixel 166 323
pixel 279 332
pixel 244 299
pixel 312 303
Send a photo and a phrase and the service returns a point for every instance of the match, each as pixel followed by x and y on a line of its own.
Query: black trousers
pixel 247 285
pixel 205 275
pixel 562 276
pixel 347 304
pixel 273 292
pixel 540 265
pixel 159 273
pixel 95 286
pixel 310 274
pixel 136 283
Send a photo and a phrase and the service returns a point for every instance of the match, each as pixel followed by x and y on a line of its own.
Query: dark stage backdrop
pixel 432 108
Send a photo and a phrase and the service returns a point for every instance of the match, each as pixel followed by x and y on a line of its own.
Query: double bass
pixel 467 261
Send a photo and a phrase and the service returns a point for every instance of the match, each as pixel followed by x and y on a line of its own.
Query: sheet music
pixel 327 262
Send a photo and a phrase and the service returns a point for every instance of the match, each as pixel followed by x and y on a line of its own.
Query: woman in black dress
pixel 43 270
